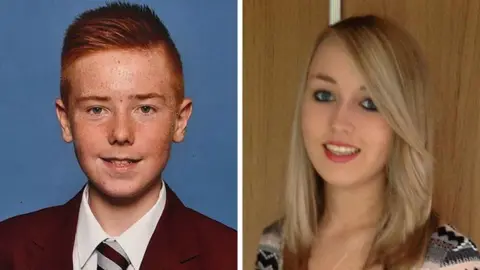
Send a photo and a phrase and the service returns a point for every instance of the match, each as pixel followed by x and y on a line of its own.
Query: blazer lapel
pixel 54 247
pixel 174 243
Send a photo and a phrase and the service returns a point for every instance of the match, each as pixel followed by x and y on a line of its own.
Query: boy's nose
pixel 122 131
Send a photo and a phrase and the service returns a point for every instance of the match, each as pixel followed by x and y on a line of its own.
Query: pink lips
pixel 340 158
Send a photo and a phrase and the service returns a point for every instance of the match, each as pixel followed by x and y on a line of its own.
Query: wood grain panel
pixel 449 32
pixel 277 39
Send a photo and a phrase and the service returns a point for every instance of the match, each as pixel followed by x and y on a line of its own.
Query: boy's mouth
pixel 121 162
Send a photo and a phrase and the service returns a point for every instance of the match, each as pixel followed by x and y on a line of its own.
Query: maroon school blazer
pixel 183 240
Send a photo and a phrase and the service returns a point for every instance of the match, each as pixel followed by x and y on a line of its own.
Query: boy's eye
pixel 95 110
pixel 146 109
pixel 368 105
pixel 323 96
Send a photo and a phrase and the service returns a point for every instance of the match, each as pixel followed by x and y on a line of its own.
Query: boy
pixel 122 105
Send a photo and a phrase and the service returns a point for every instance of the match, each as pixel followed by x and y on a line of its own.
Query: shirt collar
pixel 134 240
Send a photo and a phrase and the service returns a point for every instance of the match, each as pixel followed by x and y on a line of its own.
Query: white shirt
pixel 134 241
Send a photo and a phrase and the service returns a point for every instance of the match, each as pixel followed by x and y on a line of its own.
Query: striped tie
pixel 111 256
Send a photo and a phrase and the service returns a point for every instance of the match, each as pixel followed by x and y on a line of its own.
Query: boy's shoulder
pixel 209 226
pixel 205 226
pixel 19 234
pixel 26 225
pixel 214 237
pixel 216 241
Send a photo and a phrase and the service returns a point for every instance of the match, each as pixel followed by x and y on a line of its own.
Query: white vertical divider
pixel 335 11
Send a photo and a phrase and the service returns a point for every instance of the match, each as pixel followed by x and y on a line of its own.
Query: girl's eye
pixel 368 105
pixel 323 96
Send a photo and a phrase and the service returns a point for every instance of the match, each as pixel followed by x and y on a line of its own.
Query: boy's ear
pixel 62 116
pixel 181 121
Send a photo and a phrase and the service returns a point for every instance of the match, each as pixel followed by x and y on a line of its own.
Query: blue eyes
pixel 323 96
pixel 95 110
pixel 369 105
pixel 327 96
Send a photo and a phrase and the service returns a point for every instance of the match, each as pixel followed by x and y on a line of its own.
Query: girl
pixel 359 180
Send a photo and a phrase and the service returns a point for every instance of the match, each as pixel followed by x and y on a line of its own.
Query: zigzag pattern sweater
pixel 448 250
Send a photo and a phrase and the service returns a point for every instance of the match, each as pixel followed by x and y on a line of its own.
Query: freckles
pixel 162 148
pixel 160 141
pixel 83 132
pixel 88 78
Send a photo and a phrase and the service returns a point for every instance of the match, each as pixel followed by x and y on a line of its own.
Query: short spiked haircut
pixel 118 26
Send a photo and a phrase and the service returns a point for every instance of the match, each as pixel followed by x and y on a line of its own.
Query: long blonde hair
pixel 395 74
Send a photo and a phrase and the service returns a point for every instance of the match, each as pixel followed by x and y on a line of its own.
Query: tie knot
pixel 111 256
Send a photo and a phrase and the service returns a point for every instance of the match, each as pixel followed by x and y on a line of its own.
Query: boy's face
pixel 122 116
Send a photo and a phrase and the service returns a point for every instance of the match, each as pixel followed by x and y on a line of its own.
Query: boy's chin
pixel 119 193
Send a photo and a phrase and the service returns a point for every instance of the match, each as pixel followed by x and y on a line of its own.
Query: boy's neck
pixel 116 216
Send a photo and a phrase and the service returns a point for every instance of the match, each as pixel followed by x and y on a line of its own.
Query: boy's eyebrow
pixel 147 96
pixel 107 98
pixel 92 97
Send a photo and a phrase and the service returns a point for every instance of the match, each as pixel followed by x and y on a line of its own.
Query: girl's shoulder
pixel 450 249
pixel 269 253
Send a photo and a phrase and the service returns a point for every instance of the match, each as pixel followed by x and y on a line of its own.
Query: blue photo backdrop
pixel 37 169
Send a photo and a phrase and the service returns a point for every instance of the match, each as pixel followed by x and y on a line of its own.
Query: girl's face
pixel 347 140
